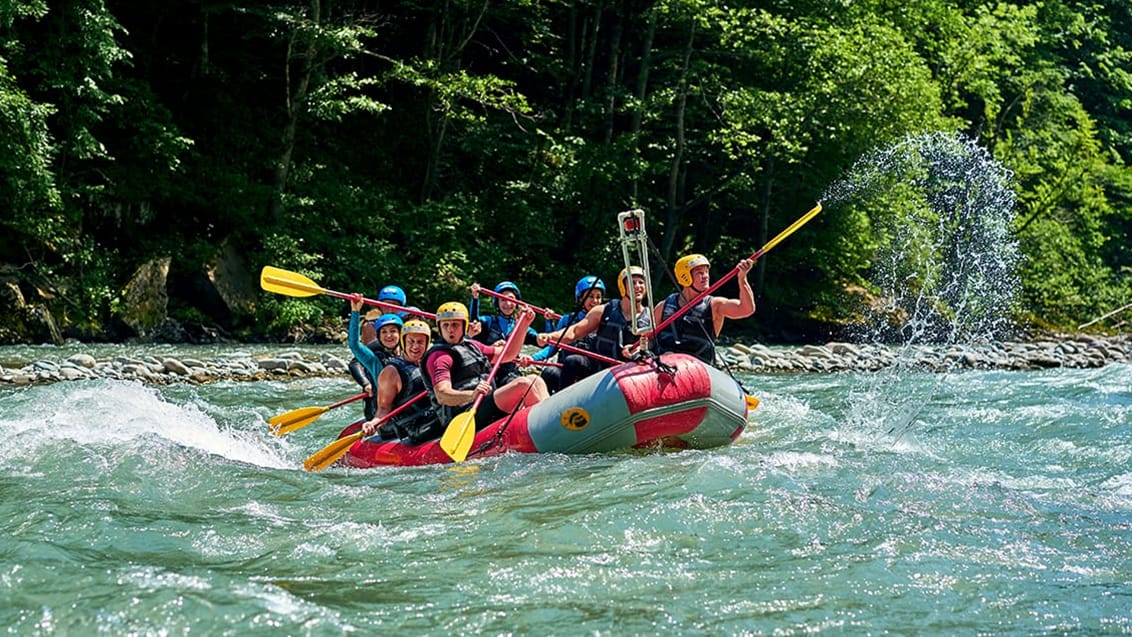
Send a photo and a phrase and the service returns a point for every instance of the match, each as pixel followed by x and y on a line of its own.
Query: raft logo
pixel 575 419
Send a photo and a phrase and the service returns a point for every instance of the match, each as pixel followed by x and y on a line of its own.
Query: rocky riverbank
pixel 1076 351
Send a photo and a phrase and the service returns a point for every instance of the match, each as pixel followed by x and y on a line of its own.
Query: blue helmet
pixel 392 294
pixel 507 285
pixel 388 319
pixel 587 283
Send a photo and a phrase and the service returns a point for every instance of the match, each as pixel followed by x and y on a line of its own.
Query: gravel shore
pixel 1074 351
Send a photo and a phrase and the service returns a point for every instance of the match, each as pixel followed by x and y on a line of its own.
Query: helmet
pixel 623 278
pixel 392 293
pixel 587 283
pixel 415 326
pixel 388 319
pixel 507 285
pixel 451 311
pixel 685 265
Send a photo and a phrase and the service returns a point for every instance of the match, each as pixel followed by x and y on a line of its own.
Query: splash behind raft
pixel 683 403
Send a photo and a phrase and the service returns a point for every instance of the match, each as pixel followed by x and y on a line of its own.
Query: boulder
pixel 23 322
pixel 145 298
pixel 233 281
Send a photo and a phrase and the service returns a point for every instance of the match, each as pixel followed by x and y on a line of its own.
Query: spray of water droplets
pixel 944 273
pixel 941 208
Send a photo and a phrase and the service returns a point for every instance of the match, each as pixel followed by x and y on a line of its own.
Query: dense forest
pixel 433 144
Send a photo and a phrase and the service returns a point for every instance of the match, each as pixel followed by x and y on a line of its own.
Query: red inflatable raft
pixel 683 403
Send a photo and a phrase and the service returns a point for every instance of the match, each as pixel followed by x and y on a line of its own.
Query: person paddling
pixel 610 324
pixel 695 331
pixel 495 328
pixel 456 368
pixel 588 293
pixel 370 357
pixel 399 382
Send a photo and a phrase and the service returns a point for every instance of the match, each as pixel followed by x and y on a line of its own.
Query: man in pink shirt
pixel 456 370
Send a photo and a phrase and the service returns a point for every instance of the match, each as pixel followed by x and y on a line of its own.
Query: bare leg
pixel 508 397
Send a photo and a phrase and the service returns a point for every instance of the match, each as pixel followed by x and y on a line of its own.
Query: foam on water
pixel 123 415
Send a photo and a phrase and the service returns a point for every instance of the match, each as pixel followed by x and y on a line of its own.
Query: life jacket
pixel 586 342
pixel 615 332
pixel 693 333
pixel 495 328
pixel 469 367
pixel 419 422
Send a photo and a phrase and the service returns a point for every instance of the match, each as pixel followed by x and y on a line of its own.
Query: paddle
pixel 298 418
pixel 545 364
pixel 326 456
pixel 585 352
pixel 294 284
pixel 461 431
pixel 551 314
pixel 735 271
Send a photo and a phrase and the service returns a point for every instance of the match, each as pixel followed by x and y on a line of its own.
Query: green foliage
pixel 436 145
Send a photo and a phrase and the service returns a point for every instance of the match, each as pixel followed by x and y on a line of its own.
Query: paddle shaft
pixel 347 401
pixel 300 282
pixel 735 271
pixel 503 297
pixel 586 352
pixel 298 418
pixel 327 455
pixel 402 407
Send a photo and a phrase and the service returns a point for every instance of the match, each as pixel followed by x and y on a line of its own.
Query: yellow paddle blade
pixel 794 226
pixel 286 282
pixel 752 403
pixel 326 456
pixel 294 420
pixel 458 437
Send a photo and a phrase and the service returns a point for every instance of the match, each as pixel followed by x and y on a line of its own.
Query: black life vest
pixel 693 333
pixel 419 422
pixel 614 332
pixel 586 342
pixel 469 367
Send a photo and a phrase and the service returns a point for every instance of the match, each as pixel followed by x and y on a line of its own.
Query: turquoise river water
pixel 966 503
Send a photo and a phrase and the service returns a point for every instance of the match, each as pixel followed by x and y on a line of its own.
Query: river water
pixel 1000 503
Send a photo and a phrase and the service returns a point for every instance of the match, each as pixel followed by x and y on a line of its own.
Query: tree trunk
pixel 674 209
pixel 763 223
pixel 641 91
pixel 295 100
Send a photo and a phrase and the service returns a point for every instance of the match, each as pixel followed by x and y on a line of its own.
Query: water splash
pixel 944 273
pixel 122 420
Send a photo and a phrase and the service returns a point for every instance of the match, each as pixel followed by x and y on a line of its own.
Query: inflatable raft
pixel 681 403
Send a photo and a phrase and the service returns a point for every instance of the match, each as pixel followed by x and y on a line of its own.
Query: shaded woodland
pixel 433 144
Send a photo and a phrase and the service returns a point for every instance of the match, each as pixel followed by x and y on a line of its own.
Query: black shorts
pixel 488 412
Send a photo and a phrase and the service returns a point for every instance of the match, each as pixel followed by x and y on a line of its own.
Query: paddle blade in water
pixel 752 402
pixel 294 420
pixel 326 456
pixel 286 282
pixel 458 437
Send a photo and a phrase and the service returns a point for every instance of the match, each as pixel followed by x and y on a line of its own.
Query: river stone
pixel 71 373
pixel 82 360
pixel 175 366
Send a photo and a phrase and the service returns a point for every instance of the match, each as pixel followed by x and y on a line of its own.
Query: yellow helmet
pixel 685 265
pixel 451 311
pixel 623 278
pixel 415 326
